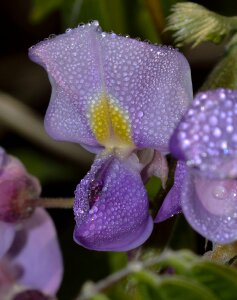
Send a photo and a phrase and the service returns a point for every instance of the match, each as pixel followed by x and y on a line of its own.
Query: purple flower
pixel 206 140
pixel 29 250
pixel 115 96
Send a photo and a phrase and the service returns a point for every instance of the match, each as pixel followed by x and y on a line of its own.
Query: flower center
pixel 110 124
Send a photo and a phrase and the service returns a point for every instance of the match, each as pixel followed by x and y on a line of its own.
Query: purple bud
pixel 17 189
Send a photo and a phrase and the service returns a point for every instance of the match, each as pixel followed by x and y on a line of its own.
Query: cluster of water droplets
pixel 207 134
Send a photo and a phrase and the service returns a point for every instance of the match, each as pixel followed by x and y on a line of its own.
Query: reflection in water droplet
pixel 219 192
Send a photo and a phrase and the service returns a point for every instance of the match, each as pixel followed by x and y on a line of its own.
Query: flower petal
pixel 151 83
pixel 7 234
pixel 147 86
pixel 210 206
pixel 156 166
pixel 172 202
pixel 206 137
pixel 73 64
pixel 111 206
pixel 36 253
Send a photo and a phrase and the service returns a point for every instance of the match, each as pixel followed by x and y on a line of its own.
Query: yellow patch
pixel 110 124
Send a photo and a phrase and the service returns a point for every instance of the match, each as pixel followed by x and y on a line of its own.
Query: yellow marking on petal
pixel 110 124
pixel 100 120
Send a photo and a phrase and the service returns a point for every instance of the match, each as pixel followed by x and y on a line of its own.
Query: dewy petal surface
pixel 210 206
pixel 172 202
pixel 149 86
pixel 36 253
pixel 206 137
pixel 111 206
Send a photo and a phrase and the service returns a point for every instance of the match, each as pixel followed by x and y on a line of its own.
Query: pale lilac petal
pixel 111 206
pixel 7 234
pixel 149 84
pixel 210 206
pixel 172 202
pixel 206 137
pixel 157 166
pixel 72 61
pixel 36 253
pixel 152 83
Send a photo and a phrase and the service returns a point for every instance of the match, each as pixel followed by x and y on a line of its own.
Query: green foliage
pixel 120 16
pixel 153 186
pixel 224 73
pixel 172 275
pixel 42 8
pixel 194 24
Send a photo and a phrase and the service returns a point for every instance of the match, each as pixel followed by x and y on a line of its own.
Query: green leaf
pixel 153 186
pixel 117 260
pixel 220 279
pixel 100 297
pixel 109 14
pixel 171 287
pixel 41 8
pixel 224 74
pixel 179 288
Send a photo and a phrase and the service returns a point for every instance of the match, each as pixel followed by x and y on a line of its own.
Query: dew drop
pixel 219 192
pixel 140 114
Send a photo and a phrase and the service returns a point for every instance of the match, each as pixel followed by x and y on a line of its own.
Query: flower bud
pixel 17 189
pixel 194 24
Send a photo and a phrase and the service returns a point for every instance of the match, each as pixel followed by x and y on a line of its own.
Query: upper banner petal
pixel 111 206
pixel 118 83
pixel 151 83
pixel 210 206
pixel 206 137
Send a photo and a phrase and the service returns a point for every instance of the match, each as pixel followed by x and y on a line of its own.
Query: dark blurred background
pixel 25 85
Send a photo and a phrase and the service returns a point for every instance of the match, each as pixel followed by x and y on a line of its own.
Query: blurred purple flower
pixel 206 140
pixel 113 95
pixel 29 250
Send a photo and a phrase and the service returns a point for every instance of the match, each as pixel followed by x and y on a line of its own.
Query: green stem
pixel 53 202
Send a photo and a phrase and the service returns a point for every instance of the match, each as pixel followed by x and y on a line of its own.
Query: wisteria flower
pixel 29 252
pixel 114 95
pixel 206 142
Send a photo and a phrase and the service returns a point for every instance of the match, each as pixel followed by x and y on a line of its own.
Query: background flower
pixel 206 140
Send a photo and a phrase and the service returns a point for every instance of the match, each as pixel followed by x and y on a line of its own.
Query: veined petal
pixel 206 137
pixel 151 83
pixel 210 206
pixel 36 253
pixel 107 87
pixel 172 202
pixel 73 64
pixel 111 206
